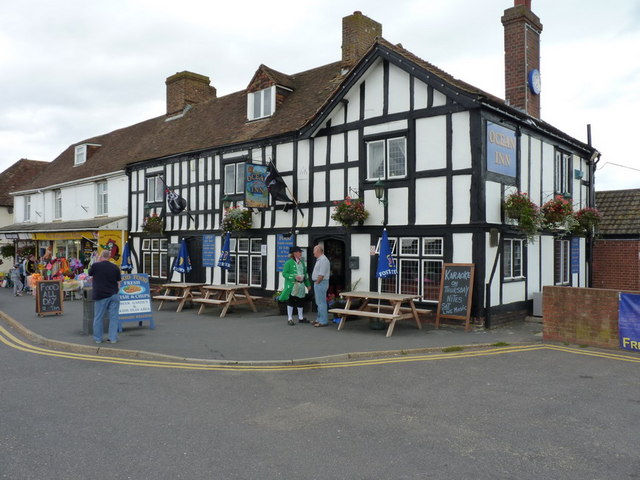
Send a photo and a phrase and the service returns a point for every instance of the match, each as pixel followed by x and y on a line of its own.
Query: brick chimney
pixel 522 30
pixel 187 88
pixel 358 34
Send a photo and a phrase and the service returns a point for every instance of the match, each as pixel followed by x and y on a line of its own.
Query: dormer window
pixel 261 104
pixel 81 155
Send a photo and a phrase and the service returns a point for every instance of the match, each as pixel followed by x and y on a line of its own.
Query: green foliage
pixel 153 223
pixel 236 219
pixel 8 250
pixel 519 206
pixel 348 211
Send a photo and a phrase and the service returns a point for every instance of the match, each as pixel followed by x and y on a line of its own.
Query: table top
pixel 182 285
pixel 225 287
pixel 380 295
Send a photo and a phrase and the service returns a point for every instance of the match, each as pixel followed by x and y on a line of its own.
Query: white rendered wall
pixel 431 143
pixel 434 213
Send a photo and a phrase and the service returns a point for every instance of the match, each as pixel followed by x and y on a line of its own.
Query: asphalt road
pixel 523 412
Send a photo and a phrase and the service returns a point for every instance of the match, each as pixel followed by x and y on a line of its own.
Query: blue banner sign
pixel 282 250
pixel 256 194
pixel 629 321
pixel 575 255
pixel 209 251
pixel 135 299
pixel 501 150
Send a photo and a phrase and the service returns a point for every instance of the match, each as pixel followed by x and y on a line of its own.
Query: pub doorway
pixel 335 251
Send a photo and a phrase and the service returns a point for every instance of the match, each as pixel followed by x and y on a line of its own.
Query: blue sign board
pixel 255 189
pixel 575 255
pixel 209 251
pixel 629 321
pixel 135 299
pixel 501 150
pixel 282 250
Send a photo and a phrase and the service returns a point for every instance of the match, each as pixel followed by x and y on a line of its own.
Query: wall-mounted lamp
pixel 380 191
pixel 226 202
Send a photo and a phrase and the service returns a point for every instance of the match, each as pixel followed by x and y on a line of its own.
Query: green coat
pixel 289 272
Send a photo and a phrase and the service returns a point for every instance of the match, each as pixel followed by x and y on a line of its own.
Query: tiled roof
pixel 222 122
pixel 16 176
pixel 620 210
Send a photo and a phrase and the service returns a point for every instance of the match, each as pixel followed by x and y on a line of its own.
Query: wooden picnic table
pixel 225 296
pixel 178 292
pixel 399 307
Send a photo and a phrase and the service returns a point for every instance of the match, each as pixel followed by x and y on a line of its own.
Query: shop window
pixel 419 268
pixel 57 204
pixel 234 178
pixel 27 208
pixel 246 262
pixel 261 104
pixel 102 199
pixel 387 159
pixel 563 171
pixel 562 262
pixel 512 267
pixel 155 189
pixel 154 257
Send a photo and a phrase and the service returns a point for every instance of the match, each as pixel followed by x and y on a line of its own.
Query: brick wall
pixel 582 316
pixel 358 34
pixel 616 264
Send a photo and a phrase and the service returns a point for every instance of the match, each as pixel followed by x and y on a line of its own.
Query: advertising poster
pixel 135 299
pixel 283 245
pixel 209 251
pixel 629 321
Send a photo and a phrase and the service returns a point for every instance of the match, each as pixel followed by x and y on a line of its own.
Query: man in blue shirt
pixel 106 281
pixel 320 278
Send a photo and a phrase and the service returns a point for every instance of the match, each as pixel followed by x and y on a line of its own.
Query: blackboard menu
pixel 456 288
pixel 49 297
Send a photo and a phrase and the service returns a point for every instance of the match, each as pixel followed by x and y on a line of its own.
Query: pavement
pixel 245 337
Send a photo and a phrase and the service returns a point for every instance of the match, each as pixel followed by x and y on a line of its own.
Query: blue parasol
pixel 182 263
pixel 126 264
pixel 224 261
pixel 386 264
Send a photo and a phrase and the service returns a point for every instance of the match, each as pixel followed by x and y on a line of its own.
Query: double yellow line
pixel 11 341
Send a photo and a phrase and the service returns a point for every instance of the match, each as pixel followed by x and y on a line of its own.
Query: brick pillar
pixel 522 30
pixel 187 88
pixel 358 34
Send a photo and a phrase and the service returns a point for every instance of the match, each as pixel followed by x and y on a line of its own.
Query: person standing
pixel 29 267
pixel 16 279
pixel 320 277
pixel 296 284
pixel 106 281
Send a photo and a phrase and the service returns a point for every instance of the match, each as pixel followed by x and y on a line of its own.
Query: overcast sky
pixel 74 69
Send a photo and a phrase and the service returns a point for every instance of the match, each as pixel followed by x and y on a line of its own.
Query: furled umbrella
pixel 386 264
pixel 126 264
pixel 182 263
pixel 224 261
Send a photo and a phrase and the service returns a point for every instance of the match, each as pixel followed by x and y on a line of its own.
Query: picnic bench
pixel 178 292
pixel 225 296
pixel 400 307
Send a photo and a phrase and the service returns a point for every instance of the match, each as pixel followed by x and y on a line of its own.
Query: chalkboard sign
pixel 49 297
pixel 456 288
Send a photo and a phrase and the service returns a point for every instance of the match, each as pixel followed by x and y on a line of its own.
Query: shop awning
pixel 54 230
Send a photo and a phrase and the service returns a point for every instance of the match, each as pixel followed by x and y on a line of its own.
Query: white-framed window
pixel 234 178
pixel 102 198
pixel 57 204
pixel 512 256
pixel 387 159
pixel 154 257
pixel 27 208
pixel 155 189
pixel 419 268
pixel 80 155
pixel 261 104
pixel 563 171
pixel 562 262
pixel 246 262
